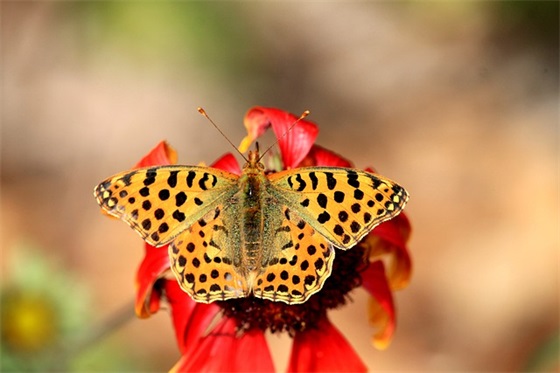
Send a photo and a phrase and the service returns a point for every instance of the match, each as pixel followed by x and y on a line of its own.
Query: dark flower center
pixel 251 312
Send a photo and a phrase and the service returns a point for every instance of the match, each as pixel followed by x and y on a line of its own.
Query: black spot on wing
pixel 339 196
pixel 353 179
pixel 202 182
pixel 331 181
pixel 355 227
pixel 338 230
pixel 150 177
pixel 146 224
pixel 178 215
pixel 126 179
pixel 302 183
pixel 358 194
pixel 172 179
pixel 322 200
pixel 144 192
pixel 159 214
pixel 323 217
pixel 163 228
pixel 180 199
pixel 163 194
pixel 190 178
pixel 314 180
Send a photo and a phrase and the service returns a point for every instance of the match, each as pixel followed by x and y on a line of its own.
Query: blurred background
pixel 458 101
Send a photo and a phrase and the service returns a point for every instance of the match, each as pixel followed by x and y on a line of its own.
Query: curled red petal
pixel 323 350
pixel 295 144
pixel 375 282
pixel 227 163
pixel 222 350
pixel 152 267
pixel 319 156
pixel 391 238
pixel 256 123
pixel 162 154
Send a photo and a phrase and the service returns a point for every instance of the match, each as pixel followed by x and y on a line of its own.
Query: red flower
pixel 229 335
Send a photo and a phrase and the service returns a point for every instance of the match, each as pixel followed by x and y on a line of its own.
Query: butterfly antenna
pixel 203 112
pixel 303 115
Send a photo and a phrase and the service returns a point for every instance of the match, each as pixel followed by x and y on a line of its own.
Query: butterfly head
pixel 254 160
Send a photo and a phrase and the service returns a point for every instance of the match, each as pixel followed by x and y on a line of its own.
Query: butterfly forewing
pixel 341 204
pixel 160 202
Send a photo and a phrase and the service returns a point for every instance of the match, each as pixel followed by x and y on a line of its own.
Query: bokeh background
pixel 458 101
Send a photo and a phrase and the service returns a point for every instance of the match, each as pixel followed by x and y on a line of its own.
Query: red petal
pixel 295 144
pixel 323 350
pixel 375 282
pixel 391 238
pixel 319 156
pixel 154 264
pixel 395 231
pixel 190 319
pixel 162 154
pixel 227 163
pixel 223 351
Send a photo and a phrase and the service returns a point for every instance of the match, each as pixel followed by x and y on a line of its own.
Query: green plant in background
pixel 215 37
pixel 546 356
pixel 46 320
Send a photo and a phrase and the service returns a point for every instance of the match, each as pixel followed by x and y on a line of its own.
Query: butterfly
pixel 269 235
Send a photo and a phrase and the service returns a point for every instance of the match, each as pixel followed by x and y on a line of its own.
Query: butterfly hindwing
pixel 299 264
pixel 204 260
pixel 341 204
pixel 160 202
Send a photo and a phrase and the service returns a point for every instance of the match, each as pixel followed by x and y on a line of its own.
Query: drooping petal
pixel 222 350
pixel 381 308
pixel 323 350
pixel 256 123
pixel 294 145
pixel 152 268
pixel 389 240
pixel 319 156
pixel 227 163
pixel 162 154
